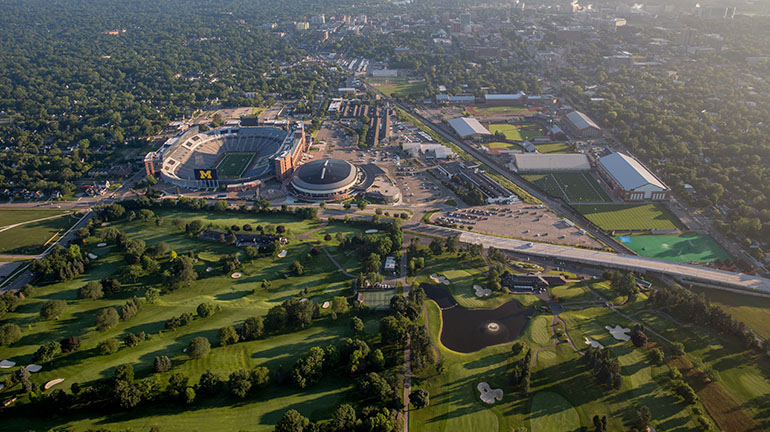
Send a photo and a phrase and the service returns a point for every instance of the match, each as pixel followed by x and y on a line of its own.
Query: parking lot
pixel 521 221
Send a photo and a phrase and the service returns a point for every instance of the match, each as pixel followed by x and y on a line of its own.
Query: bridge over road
pixel 684 273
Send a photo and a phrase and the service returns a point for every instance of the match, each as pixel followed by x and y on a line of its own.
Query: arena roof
pixel 629 172
pixel 581 121
pixel 468 126
pixel 504 97
pixel 535 162
pixel 325 175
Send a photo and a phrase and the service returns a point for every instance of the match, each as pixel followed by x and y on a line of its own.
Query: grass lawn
pixel 233 165
pixel 573 187
pixel 518 132
pixel 571 292
pixel 619 217
pixel 498 145
pixel 553 412
pixel 10 217
pixel 237 301
pixel 680 248
pixel 557 147
pixel 752 311
pixel 31 238
pixel 393 87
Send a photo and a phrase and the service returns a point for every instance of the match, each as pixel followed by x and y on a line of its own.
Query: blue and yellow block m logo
pixel 205 174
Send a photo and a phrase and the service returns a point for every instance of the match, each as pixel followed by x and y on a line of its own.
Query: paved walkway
pixel 306 235
pixel 7 227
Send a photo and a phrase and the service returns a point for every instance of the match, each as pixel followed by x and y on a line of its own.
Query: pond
pixel 468 330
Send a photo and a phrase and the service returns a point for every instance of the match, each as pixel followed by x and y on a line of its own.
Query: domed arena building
pixel 326 179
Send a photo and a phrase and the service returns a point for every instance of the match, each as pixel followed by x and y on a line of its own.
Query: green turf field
pixel 518 132
pixel 10 217
pixel 233 165
pixel 680 248
pixel 503 146
pixel 557 147
pixel 33 237
pixel 396 86
pixel 618 217
pixel 572 187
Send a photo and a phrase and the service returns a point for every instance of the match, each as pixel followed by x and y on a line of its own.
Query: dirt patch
pixel 469 330
pixel 719 404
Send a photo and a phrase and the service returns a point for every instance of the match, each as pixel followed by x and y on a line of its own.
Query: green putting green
pixel 680 248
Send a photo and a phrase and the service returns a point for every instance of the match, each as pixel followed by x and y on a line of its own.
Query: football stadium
pixel 236 157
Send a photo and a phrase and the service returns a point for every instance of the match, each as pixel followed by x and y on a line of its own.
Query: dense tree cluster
pixel 604 366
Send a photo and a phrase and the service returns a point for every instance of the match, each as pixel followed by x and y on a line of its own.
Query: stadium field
pixel 572 187
pixel 520 132
pixel 619 217
pixel 687 248
pixel 233 165
pixel 503 146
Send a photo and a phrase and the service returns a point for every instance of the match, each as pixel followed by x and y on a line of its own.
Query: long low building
pixel 467 127
pixel 544 163
pixel 684 273
pixel 631 180
pixel 581 126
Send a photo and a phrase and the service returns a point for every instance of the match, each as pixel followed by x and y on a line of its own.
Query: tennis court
pixel 233 165
pixel 379 299
pixel 686 248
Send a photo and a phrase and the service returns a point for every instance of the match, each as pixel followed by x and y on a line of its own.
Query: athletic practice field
pixel 499 145
pixel 396 86
pixel 233 165
pixel 693 248
pixel 520 132
pixel 557 147
pixel 572 187
pixel 619 217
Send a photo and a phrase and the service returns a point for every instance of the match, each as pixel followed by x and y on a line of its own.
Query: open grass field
pixel 233 165
pixel 751 310
pixel 619 217
pixel 237 300
pixel 394 87
pixel 557 147
pixel 518 132
pixel 11 217
pixel 571 292
pixel 686 248
pixel 32 238
pixel 498 145
pixel 572 187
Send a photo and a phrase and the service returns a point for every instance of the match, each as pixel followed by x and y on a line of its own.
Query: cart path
pixel 334 261
pixel 306 235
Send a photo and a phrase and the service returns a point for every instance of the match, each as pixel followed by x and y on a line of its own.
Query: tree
pixel 377 360
pixel 642 419
pixel 189 395
pixel 299 313
pixel 343 419
pixel 206 309
pixel 276 318
pixel 638 338
pixel 340 305
pixel 199 347
pixel 109 346
pixel 22 375
pixel 162 364
pixel 107 318
pixel 292 421
pixel 91 290
pixel 127 394
pixel 357 324
pixel 372 263
pixel 209 383
pixel 260 376
pixel 46 352
pixel 9 334
pixel 420 398
pixel 296 268
pixel 53 309
pixel 308 369
pixel 253 328
pixel 656 355
pixel 70 344
pixel 151 295
pixel 239 383
pixel 394 330
pixel 228 336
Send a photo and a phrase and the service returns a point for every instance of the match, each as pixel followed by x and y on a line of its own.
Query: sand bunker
pixel 209 269
pixel 92 256
pixel 52 383
pixel 325 305
pixel 2 386
pixel 5 364
pixel 489 395
pixel 371 231
pixel 34 368
pixel 482 292
pixel 9 401
pixel 282 254
pixel 236 275
pixel 619 333
pixel 593 342
pixel 101 245
pixel 303 300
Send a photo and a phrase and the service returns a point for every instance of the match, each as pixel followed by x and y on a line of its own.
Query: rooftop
pixel 467 126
